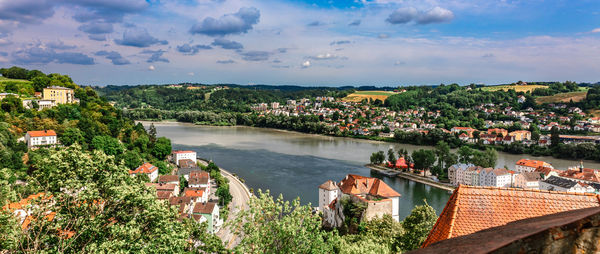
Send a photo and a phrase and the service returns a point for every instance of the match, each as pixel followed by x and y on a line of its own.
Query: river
pixel 295 164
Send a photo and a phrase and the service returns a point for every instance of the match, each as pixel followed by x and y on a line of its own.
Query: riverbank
pixel 241 196
pixel 412 177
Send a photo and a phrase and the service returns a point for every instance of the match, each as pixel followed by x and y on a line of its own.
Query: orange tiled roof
pixel 586 174
pixel 329 185
pixel 355 184
pixel 45 133
pixel 474 208
pixel 145 168
pixel 531 163
pixel 194 192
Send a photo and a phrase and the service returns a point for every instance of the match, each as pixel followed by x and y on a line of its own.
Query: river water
pixel 295 164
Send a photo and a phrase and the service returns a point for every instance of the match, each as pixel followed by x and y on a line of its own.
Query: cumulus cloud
pixel 60 45
pixel 188 49
pixel 306 64
pixel 151 68
pixel 235 23
pixel 229 61
pixel 44 55
pixel 255 55
pixel 26 11
pixel 355 23
pixel 113 56
pixel 155 56
pixel 139 37
pixel 227 44
pixel 411 14
pixel 339 42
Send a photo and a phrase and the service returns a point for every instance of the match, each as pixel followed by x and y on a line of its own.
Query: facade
pixel 525 165
pixel 210 211
pixel 146 168
pixel 40 138
pixel 171 188
pixel 528 180
pixel 499 177
pixel 198 195
pixel 521 135
pixel 554 183
pixel 199 179
pixel 379 198
pixel 183 155
pixel 59 94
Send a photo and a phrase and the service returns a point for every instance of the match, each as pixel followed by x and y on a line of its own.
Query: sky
pixel 304 42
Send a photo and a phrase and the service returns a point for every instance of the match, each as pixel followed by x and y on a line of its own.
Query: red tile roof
pixel 183 151
pixel 585 174
pixel 168 178
pixel 355 184
pixel 204 208
pixel 474 208
pixel 145 168
pixel 531 163
pixel 44 133
pixel 194 192
pixel 329 185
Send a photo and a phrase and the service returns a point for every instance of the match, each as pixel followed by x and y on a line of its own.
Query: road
pixel 241 197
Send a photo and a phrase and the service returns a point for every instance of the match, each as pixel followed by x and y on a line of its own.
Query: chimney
pixel 580 166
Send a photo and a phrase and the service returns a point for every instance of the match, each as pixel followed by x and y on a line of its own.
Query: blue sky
pixel 304 42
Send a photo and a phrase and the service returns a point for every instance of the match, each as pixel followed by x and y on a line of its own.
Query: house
pixel 526 165
pixel 4 95
pixel 499 177
pixel 185 167
pixel 453 172
pixel 520 135
pixel 173 179
pixel 468 130
pixel 199 179
pixel 59 94
pixel 146 168
pixel 471 209
pixel 163 188
pixel 184 204
pixel 521 99
pixel 554 183
pixel 581 174
pixel 378 197
pixel 210 211
pixel 36 139
pixel 528 180
pixel 181 155
pixel 198 195
pixel 498 131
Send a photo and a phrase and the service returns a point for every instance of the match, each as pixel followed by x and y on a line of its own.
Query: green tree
pixel 12 104
pixel 554 136
pixel 152 133
pixel 486 159
pixel 423 159
pixel 278 226
pixel 391 156
pixel 161 148
pixel 108 144
pixel 465 154
pixel 417 226
pixel 377 157
pixel 71 136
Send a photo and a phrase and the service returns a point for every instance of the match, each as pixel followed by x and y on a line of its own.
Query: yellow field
pixel 562 97
pixel 372 95
pixel 517 88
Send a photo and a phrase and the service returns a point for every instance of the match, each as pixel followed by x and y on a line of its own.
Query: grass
pixel 372 95
pixel 517 88
pixel 562 97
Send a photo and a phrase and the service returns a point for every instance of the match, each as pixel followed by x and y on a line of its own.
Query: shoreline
pixel 412 177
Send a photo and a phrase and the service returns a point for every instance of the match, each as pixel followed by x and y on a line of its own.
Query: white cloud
pixel 151 68
pixel 306 64
pixel 597 30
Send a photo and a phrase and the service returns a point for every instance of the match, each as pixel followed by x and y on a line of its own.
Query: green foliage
pixel 416 227
pixel 71 136
pixel 423 159
pixel 279 226
pixel 377 157
pixel 161 148
pixel 14 72
pixel 391 156
pixel 12 104
pixel 110 145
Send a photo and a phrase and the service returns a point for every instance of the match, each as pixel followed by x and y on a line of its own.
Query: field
pixel 373 95
pixel 562 97
pixel 517 88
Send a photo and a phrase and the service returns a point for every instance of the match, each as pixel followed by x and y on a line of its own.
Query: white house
pixel 146 168
pixel 181 155
pixel 456 173
pixel 210 211
pixel 199 179
pixel 328 196
pixel 499 177
pixel 525 165
pixel 40 138
pixel 554 183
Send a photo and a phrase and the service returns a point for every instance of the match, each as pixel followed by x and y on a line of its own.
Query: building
pixel 525 165
pixel 41 138
pixel 198 195
pixel 4 95
pixel 468 130
pixel 183 155
pixel 199 179
pixel 572 231
pixel 59 94
pixel 210 211
pixel 499 177
pixel 169 179
pixel 471 209
pixel 520 135
pixel 528 180
pixel 554 183
pixel 184 204
pixel 165 187
pixel 581 174
pixel 146 168
pixel 380 199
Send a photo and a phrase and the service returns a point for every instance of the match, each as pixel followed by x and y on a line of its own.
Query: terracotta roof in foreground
pixel 474 208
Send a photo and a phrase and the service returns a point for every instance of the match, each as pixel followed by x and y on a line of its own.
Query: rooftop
pixel 44 133
pixel 204 208
pixel 145 168
pixel 360 185
pixel 474 208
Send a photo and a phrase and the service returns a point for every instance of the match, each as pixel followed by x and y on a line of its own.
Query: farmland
pixel 371 95
pixel 562 97
pixel 517 88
